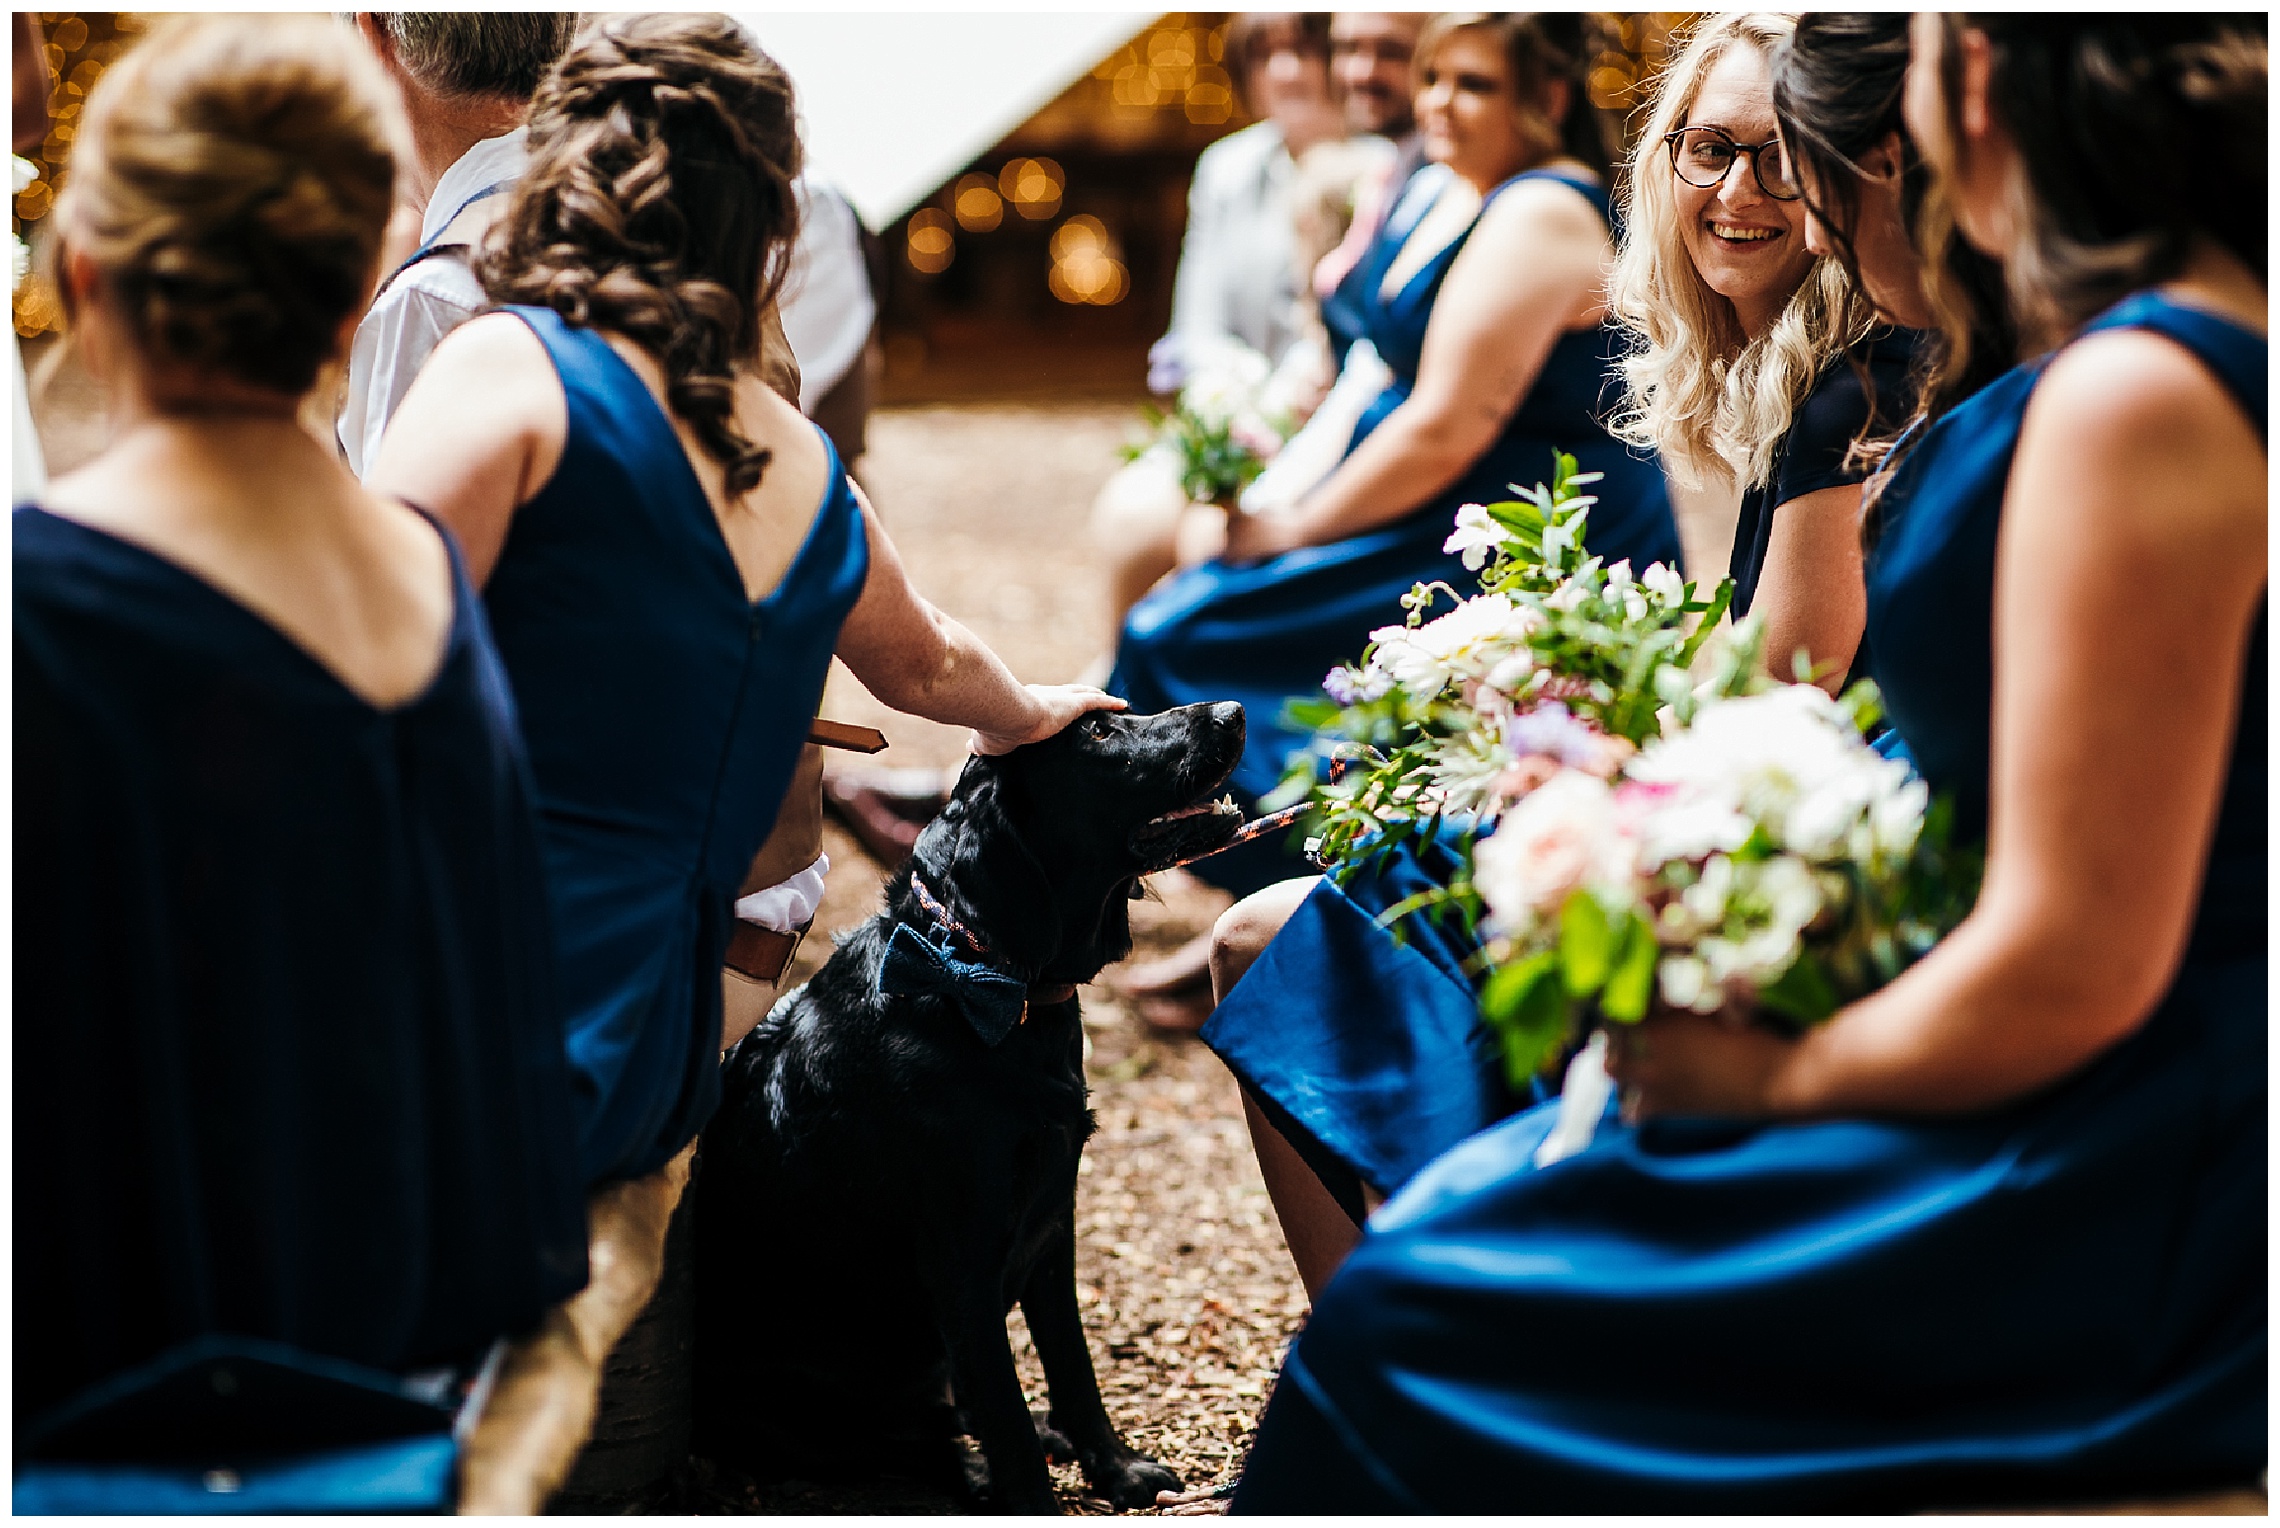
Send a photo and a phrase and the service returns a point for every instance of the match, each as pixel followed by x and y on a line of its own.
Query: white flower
pixel 1787 759
pixel 1466 771
pixel 1705 900
pixel 1687 825
pixel 1686 984
pixel 1619 579
pixel 1510 673
pixel 1665 585
pixel 1790 890
pixel 1561 836
pixel 1468 642
pixel 1225 378
pixel 1475 537
pixel 1567 597
pixel 1898 818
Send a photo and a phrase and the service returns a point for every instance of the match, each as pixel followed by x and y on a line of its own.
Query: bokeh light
pixel 977 204
pixel 1086 270
pixel 928 243
pixel 1034 186
pixel 77 49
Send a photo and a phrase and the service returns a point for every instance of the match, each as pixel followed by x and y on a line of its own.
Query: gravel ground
pixel 1188 1292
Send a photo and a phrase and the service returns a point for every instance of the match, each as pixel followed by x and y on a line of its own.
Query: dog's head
pixel 1039 848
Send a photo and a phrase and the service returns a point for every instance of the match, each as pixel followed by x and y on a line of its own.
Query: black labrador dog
pixel 894 1163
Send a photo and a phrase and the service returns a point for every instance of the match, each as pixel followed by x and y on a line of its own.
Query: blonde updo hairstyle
pixel 231 183
pixel 1712 401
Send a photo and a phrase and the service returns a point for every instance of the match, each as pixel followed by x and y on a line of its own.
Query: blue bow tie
pixel 915 966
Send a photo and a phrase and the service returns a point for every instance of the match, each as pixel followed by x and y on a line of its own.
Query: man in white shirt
pixel 829 316
pixel 466 78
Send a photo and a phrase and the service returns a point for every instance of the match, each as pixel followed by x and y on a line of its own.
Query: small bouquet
pixel 1226 422
pixel 1762 859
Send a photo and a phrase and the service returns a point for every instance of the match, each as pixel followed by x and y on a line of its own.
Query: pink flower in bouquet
pixel 1564 835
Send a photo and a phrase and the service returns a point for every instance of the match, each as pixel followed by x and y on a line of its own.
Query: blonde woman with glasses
pixel 1755 362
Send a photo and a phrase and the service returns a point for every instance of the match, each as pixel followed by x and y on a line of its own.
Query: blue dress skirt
pixel 665 713
pixel 1265 633
pixel 2058 1300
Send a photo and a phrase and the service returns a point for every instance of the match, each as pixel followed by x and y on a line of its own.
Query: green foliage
pixel 1610 650
pixel 1215 464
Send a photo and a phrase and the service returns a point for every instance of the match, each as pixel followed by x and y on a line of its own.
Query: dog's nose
pixel 1227 713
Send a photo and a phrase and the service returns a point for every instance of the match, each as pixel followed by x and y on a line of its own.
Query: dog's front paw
pixel 1058 1448
pixel 1129 1480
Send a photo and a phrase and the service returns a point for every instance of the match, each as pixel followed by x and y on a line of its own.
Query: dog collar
pixel 993 1001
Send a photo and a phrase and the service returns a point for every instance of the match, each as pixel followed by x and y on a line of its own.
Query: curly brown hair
pixel 659 205
pixel 232 185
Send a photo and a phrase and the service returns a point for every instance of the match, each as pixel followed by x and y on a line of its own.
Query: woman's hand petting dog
pixel 1052 707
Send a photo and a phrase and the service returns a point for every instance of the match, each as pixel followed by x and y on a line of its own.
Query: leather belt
pixel 762 954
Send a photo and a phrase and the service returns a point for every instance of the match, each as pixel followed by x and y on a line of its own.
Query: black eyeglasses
pixel 1704 156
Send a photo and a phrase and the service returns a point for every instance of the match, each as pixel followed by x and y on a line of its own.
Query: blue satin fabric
pixel 2056 1301
pixel 1371 1043
pixel 1263 633
pixel 665 713
pixel 287 1054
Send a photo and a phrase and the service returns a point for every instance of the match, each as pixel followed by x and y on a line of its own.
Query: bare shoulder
pixel 2127 426
pixel 1540 209
pixel 2129 396
pixel 498 345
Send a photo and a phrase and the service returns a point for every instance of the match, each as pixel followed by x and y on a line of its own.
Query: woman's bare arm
pixel 1811 595
pixel 1533 268
pixel 2130 569
pixel 479 433
pixel 918 660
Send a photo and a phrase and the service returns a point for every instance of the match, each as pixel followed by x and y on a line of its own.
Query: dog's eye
pixel 1096 725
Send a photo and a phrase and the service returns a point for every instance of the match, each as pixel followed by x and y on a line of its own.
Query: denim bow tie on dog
pixel 915 966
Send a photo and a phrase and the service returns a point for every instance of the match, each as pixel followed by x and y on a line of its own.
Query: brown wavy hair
pixel 233 180
pixel 659 205
pixel 2137 134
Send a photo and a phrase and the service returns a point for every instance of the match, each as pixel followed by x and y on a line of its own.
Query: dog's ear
pixel 974 856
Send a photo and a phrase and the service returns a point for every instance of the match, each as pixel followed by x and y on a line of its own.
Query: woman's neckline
pixel 454 628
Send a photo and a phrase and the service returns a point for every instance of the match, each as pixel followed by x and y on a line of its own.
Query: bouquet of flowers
pixel 1762 858
pixel 1560 660
pixel 1710 841
pixel 1227 421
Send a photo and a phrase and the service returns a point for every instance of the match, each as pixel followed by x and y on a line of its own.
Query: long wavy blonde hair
pixel 1711 400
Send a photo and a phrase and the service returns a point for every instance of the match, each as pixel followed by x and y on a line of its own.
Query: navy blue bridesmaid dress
pixel 665 713
pixel 1265 633
pixel 2056 1300
pixel 288 1065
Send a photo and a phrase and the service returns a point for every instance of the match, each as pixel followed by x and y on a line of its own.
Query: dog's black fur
pixel 881 1186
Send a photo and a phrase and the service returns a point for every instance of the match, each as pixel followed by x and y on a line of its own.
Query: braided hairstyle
pixel 659 204
pixel 231 187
